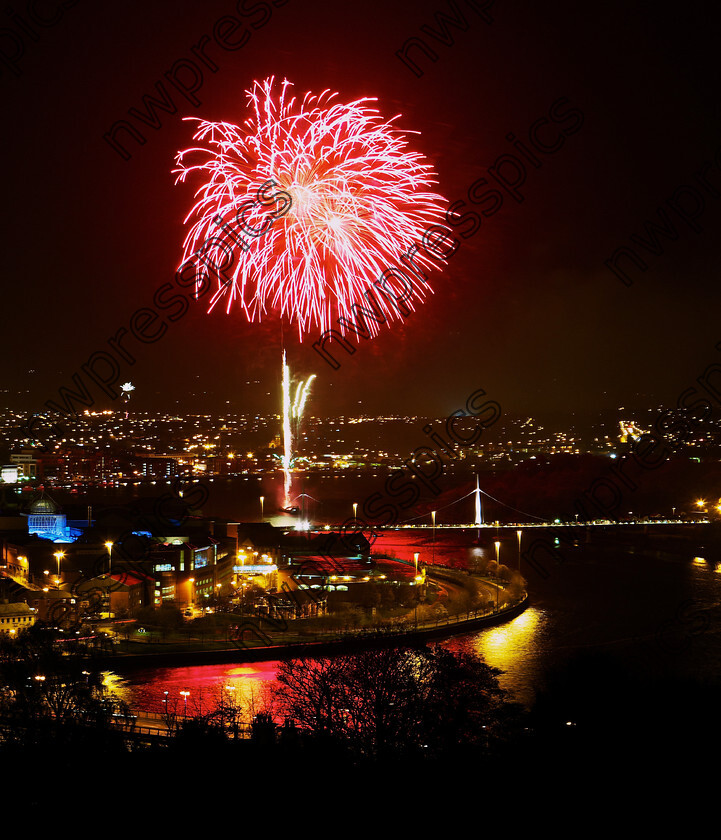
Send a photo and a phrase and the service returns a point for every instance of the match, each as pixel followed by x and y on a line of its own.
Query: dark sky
pixel 525 310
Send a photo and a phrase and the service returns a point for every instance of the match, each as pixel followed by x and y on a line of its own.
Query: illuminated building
pixel 13 563
pixel 46 521
pixel 9 474
pixel 185 571
pixel 293 605
pixel 56 606
pixel 122 594
pixel 15 617
pixel 26 463
pixel 155 466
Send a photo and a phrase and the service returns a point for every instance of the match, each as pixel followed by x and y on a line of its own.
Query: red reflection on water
pixel 444 550
pixel 247 683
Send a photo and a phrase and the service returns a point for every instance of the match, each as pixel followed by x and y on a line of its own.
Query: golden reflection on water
pixel 250 685
pixel 116 686
pixel 513 647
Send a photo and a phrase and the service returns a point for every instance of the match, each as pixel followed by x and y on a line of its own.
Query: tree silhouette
pixel 52 695
pixel 397 702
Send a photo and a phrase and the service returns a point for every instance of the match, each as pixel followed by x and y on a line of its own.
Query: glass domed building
pixel 47 522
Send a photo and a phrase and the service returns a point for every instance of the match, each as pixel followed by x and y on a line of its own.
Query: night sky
pixel 526 309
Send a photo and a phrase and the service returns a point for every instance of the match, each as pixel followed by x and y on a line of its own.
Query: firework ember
pixel 306 205
pixel 292 418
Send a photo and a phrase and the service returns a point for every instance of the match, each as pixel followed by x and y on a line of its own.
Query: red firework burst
pixel 305 206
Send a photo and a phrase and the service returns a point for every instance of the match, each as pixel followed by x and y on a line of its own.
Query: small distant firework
pixel 316 200
pixel 127 388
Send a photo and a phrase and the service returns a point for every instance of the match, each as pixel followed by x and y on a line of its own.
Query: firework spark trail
pixel 287 435
pixel 350 201
pixel 301 396
pixel 292 418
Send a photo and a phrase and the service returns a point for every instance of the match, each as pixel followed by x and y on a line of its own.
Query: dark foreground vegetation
pixel 421 715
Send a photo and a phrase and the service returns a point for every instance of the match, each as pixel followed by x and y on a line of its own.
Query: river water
pixel 650 600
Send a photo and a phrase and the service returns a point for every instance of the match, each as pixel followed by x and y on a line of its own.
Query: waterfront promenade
pixel 284 645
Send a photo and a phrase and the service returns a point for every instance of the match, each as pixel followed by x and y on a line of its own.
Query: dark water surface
pixel 651 600
pixel 650 597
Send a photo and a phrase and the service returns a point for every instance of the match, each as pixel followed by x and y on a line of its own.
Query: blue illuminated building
pixel 46 522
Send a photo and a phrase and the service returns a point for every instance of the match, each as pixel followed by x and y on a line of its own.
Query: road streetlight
pixel 109 547
pixel 59 556
pixel 185 697
pixel 191 581
pixel 262 499
pixel 497 544
pixel 519 533
pixel 417 594
pixel 355 511
pixel 433 547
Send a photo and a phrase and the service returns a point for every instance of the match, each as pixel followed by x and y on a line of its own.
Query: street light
pixel 59 556
pixel 497 545
pixel 109 547
pixel 355 511
pixel 433 548
pixel 417 594
pixel 262 499
pixel 191 581
pixel 185 697
pixel 519 534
